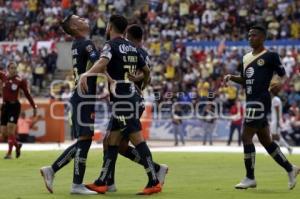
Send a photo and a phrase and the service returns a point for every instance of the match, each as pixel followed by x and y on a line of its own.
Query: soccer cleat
pixel 151 190
pixel 7 157
pixel 246 183
pixel 48 175
pixel 293 177
pixel 161 174
pixel 82 190
pixel 18 150
pixel 99 189
pixel 111 188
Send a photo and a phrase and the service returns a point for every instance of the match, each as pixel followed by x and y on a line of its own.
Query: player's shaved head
pixel 135 32
pixel 119 23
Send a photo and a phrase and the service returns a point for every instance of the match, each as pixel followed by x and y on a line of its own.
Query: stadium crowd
pixel 168 25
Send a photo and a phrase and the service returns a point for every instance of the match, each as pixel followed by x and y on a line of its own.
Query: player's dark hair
pixel 65 24
pixel 260 27
pixel 135 31
pixel 119 23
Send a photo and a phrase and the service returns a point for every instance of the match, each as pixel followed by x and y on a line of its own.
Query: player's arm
pixel 25 89
pixel 280 78
pixel 137 77
pixel 142 65
pixel 146 79
pixel 234 78
pixel 98 67
pixel 277 116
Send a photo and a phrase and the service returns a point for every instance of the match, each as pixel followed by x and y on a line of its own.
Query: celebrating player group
pixel 126 66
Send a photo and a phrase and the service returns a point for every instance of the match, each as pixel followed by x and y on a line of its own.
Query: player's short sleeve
pixel 91 51
pixel 141 62
pixel 106 51
pixel 276 102
pixel 277 64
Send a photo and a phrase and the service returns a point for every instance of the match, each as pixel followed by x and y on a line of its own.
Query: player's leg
pixel 230 134
pixel 15 110
pixel 153 185
pixel 283 142
pixel 249 158
pixel 78 150
pixel 175 134
pixel 239 134
pixel 82 148
pixel 12 140
pixel 100 184
pixel 181 133
pixel 274 150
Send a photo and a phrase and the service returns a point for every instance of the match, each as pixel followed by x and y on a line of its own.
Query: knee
pixel 123 146
pixel 246 139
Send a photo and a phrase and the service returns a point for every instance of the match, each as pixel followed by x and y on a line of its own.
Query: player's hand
pixel 112 87
pixel 133 78
pixel 82 83
pixel 226 79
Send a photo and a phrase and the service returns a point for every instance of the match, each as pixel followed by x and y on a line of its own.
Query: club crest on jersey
pixel 260 62
pixel 14 87
pixel 250 72
pixel 126 48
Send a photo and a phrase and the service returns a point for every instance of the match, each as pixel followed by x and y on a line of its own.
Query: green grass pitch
pixel 191 176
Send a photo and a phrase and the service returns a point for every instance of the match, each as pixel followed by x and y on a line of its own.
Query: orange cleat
pixel 99 189
pixel 151 190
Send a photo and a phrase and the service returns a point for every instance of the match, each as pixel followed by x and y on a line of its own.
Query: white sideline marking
pixel 193 148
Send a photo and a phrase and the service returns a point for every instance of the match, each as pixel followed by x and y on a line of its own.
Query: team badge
pixel 260 62
pixel 14 87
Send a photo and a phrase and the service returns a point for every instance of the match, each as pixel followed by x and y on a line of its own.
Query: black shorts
pixel 82 116
pixel 256 117
pixel 10 112
pixel 127 121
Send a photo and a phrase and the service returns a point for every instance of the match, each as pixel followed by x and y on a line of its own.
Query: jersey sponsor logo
pixel 250 72
pixel 260 62
pixel 14 87
pixel 124 49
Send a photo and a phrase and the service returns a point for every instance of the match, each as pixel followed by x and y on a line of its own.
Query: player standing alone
pixel 258 68
pixel 11 107
pixel 84 54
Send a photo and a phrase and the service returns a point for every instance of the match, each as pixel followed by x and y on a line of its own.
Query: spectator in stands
pixel 236 113
pixel 208 123
pixel 24 125
pixel 177 124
